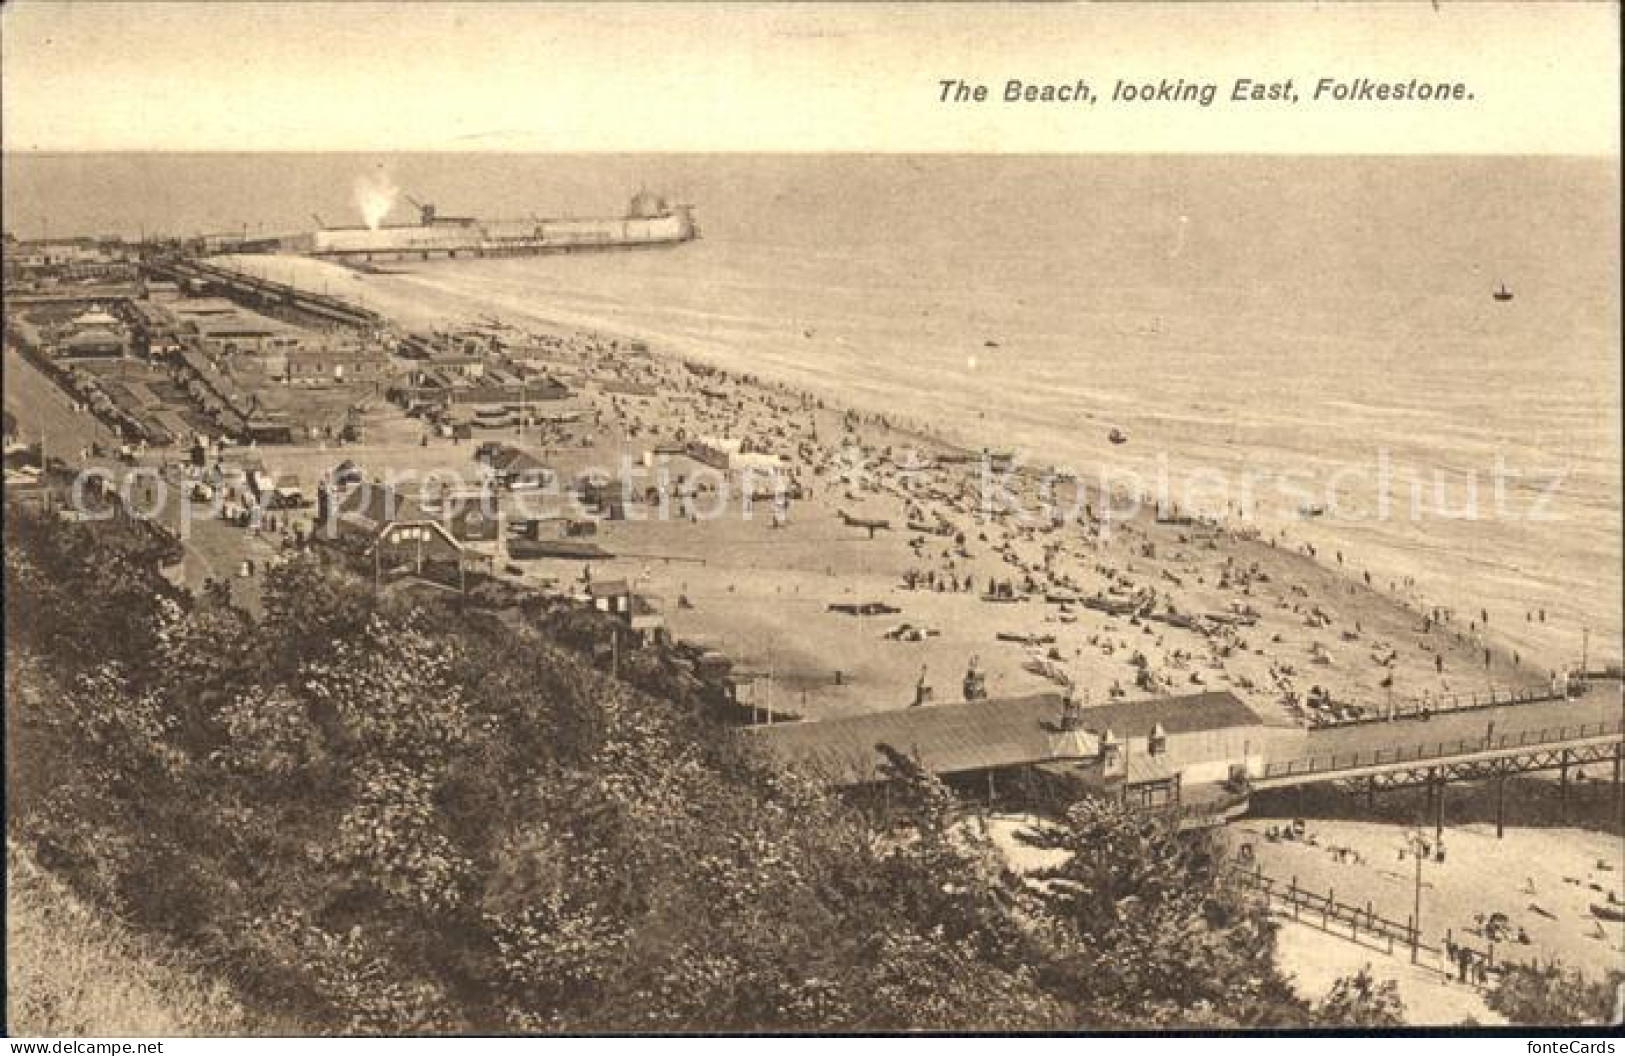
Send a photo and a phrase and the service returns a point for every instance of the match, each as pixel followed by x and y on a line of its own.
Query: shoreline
pixel 1383 556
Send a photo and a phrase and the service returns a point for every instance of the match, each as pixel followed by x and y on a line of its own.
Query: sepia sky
pixel 806 77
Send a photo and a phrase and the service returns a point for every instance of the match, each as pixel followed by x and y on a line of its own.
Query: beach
pixel 972 561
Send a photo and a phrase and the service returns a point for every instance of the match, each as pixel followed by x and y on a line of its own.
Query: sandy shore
pixel 1302 624
pixel 1316 960
pixel 1543 879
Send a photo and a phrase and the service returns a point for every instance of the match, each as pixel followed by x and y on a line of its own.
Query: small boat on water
pixel 1502 293
pixel 1117 436
pixel 1311 510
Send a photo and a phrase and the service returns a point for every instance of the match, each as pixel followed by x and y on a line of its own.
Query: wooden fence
pixel 1359 924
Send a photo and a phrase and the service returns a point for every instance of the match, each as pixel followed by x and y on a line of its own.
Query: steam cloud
pixel 375 196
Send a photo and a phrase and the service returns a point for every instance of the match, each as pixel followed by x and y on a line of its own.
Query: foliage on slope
pixel 376 818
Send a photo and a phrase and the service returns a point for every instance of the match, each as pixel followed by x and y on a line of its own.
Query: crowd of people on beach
pixel 1163 599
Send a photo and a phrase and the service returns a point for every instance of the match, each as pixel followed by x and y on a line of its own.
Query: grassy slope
pixel 73 972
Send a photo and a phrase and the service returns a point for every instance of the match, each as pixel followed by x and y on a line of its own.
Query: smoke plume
pixel 375 196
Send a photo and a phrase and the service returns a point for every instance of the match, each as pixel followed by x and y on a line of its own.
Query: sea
pixel 1311 343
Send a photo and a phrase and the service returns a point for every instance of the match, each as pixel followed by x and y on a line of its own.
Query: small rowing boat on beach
pixel 1111 607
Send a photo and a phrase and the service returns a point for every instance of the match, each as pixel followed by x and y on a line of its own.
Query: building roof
pixel 94 339
pixel 412 533
pixel 199 306
pixel 243 325
pixel 1142 768
pixel 515 460
pixel 984 734
pixel 371 506
pixel 440 379
pixel 335 354
pixel 198 362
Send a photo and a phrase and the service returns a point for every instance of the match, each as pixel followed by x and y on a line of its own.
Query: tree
pixel 387 689
pixel 1145 929
pixel 308 606
pixel 376 819
pixel 1552 995
pixel 1359 1000
pixel 91 587
pixel 268 738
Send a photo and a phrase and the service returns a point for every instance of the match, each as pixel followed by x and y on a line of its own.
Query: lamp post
pixel 1418 844
pixel 1416 905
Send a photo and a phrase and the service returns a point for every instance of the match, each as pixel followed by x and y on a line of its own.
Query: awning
pixel 1149 769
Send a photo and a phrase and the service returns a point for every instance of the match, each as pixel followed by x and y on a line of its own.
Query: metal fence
pixel 1411 707
pixel 1415 708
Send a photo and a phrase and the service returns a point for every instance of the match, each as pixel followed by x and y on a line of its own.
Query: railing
pixel 1360 924
pixel 1411 709
pixel 1441 749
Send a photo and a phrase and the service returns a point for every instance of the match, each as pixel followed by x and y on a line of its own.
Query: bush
pixel 1552 995
pixel 378 820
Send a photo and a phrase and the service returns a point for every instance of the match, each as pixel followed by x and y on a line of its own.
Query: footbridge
pixel 1474 745
pixel 1482 745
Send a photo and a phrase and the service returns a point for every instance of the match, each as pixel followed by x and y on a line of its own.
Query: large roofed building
pixel 97 342
pixel 1155 751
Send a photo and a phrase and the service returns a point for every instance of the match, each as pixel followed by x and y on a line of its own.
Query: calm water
pixel 1260 316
